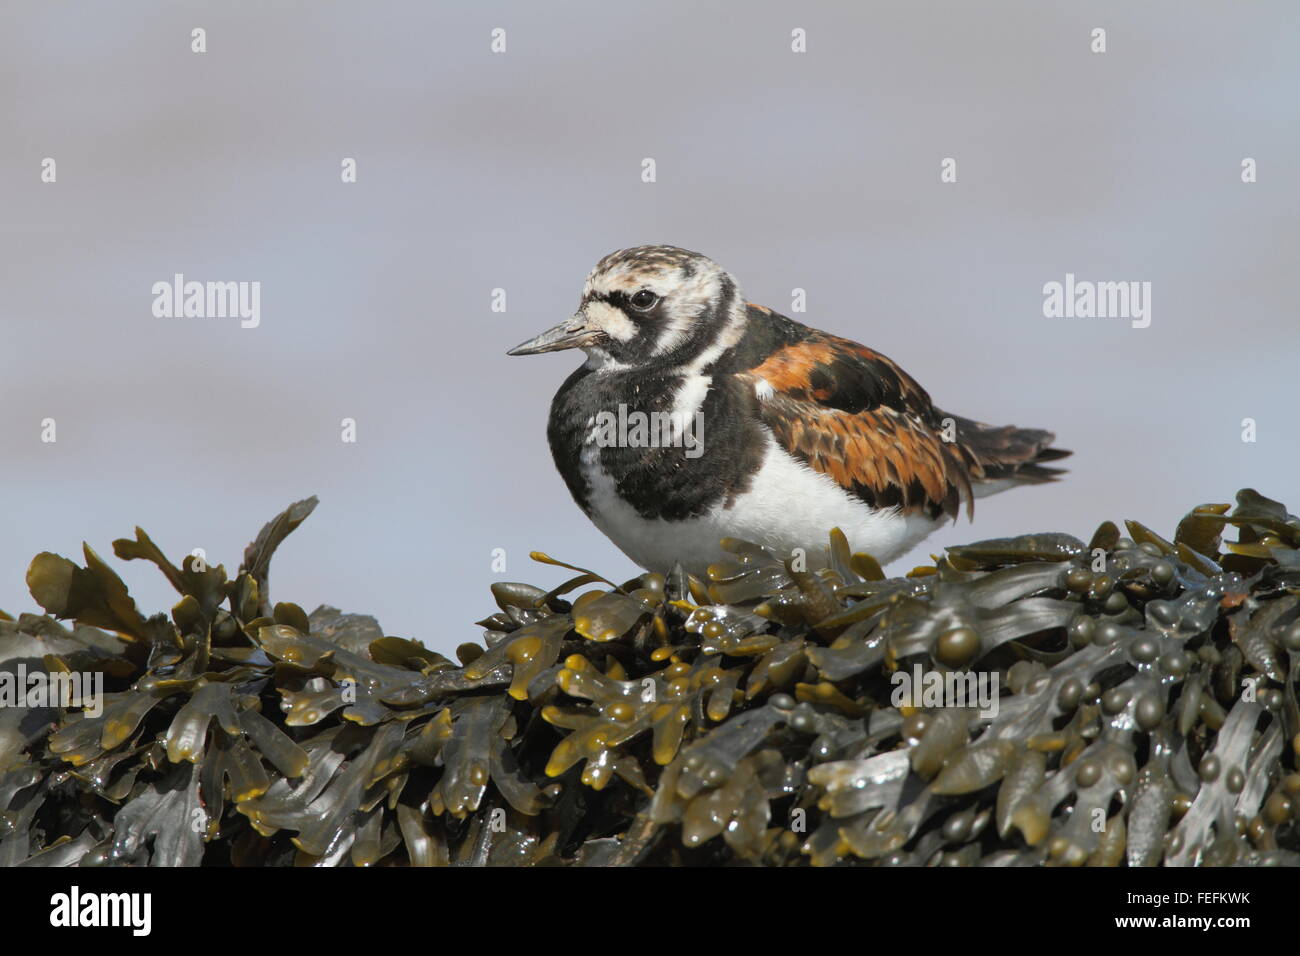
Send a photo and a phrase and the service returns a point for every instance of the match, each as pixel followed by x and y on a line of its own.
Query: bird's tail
pixel 1000 457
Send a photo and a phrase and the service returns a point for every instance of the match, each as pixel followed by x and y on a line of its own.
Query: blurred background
pixel 518 170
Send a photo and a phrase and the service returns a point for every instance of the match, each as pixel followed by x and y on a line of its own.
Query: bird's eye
pixel 644 300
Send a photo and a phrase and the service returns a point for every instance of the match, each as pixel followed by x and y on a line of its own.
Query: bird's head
pixel 650 305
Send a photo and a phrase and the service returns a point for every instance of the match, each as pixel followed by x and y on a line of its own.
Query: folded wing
pixel 854 415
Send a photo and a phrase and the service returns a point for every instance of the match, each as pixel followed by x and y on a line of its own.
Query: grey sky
pixel 519 170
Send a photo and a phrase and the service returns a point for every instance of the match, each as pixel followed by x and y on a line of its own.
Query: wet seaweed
pixel 772 714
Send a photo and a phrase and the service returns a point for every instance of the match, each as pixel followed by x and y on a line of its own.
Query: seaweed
pixel 1143 712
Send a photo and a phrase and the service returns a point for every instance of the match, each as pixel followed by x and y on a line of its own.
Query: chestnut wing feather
pixel 853 415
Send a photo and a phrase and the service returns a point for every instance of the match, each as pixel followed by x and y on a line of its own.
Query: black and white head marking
pixel 661 306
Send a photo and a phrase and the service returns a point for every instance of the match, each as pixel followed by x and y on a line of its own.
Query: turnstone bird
pixel 699 416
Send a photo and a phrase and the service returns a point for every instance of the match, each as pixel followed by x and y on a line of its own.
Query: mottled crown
pixel 698 312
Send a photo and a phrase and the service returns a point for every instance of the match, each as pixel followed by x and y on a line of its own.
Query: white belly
pixel 787 506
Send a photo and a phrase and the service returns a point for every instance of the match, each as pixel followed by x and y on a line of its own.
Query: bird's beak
pixel 573 332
